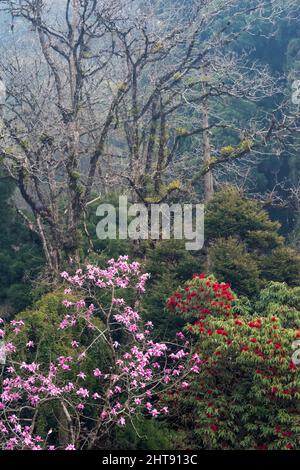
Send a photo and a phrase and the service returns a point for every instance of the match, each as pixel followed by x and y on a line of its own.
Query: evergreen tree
pixel 244 244
pixel 20 253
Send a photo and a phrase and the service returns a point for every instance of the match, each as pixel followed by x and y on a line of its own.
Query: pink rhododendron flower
pixel 141 368
pixel 83 392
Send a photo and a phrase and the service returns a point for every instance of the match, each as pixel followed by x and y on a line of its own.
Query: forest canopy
pixel 144 343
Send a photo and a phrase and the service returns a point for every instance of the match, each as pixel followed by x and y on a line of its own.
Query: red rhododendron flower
pixel 214 427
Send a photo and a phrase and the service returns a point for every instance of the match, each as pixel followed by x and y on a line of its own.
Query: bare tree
pixel 51 126
pixel 111 90
pixel 182 73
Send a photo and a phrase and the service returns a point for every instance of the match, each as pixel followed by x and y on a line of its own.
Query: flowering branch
pixel 139 369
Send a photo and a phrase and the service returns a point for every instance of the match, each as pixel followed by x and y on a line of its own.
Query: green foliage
pixel 235 151
pixel 283 264
pixel 294 236
pixel 164 191
pixel 42 327
pixel 20 252
pixel 231 215
pixel 226 151
pixel 169 264
pixel 244 244
pixel 144 434
pixel 281 300
pixel 230 260
pixel 92 246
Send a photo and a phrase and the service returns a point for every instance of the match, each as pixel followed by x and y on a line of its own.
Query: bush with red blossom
pixel 247 392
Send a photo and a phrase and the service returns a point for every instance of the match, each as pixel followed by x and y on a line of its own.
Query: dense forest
pixel 143 344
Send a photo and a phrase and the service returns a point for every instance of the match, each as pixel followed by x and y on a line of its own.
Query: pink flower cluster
pixel 140 369
pixel 118 274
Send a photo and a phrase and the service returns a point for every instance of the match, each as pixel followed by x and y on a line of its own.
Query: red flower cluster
pixel 202 296
pixel 263 345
